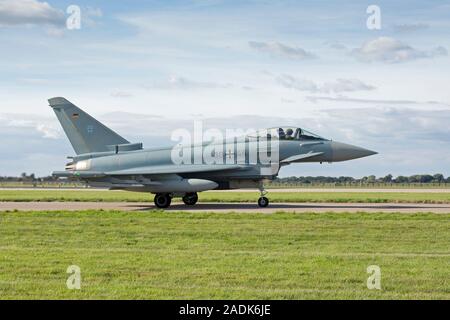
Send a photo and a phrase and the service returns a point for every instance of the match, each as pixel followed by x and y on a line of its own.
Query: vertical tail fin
pixel 86 134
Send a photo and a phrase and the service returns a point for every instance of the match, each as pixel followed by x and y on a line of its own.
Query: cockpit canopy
pixel 286 133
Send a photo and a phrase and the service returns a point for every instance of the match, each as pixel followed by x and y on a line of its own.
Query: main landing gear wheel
pixel 263 202
pixel 163 200
pixel 190 199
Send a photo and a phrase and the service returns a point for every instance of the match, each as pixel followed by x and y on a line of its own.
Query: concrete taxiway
pixel 229 207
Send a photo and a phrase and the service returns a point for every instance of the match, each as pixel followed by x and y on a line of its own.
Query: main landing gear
pixel 190 199
pixel 163 200
pixel 263 201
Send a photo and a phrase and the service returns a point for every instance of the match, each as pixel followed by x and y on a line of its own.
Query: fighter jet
pixel 105 159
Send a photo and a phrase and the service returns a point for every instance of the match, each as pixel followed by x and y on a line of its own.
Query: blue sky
pixel 149 67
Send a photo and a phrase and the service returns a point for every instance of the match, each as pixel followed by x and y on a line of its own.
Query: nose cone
pixel 342 151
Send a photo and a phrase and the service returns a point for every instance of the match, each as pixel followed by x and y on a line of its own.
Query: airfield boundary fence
pixel 374 185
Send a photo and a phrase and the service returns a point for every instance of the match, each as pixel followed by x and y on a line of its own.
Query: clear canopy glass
pixel 286 133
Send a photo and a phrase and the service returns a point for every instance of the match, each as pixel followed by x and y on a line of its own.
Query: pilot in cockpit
pixel 281 134
pixel 289 134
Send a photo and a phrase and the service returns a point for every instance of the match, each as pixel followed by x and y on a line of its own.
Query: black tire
pixel 190 199
pixel 162 200
pixel 263 202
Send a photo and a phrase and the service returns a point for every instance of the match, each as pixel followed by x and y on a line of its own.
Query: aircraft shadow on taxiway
pixel 275 206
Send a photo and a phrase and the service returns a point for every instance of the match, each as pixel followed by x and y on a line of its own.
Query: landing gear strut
pixel 263 201
pixel 190 199
pixel 163 200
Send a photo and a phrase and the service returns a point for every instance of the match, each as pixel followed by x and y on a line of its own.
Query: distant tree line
pixel 24 177
pixel 417 178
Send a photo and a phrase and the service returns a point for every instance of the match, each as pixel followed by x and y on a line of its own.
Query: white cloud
pixel 439 51
pixel 35 81
pixel 55 31
pixel 121 94
pixel 408 140
pixel 93 12
pixel 90 15
pixel 335 45
pixel 280 49
pixel 342 98
pixel 177 82
pixel 410 27
pixel 29 12
pixel 346 85
pixel 184 83
pixel 374 124
pixel 337 86
pixel 389 50
pixel 291 82
pixel 46 127
pixel 48 132
pixel 384 123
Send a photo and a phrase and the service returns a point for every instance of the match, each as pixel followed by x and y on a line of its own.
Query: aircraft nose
pixel 342 151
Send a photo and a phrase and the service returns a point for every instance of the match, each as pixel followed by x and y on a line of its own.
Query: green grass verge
pixel 121 196
pixel 159 255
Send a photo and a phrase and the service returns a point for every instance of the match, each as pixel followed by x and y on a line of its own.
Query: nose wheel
pixel 263 201
pixel 163 200
pixel 190 199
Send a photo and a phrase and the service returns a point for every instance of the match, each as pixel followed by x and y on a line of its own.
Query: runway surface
pixel 229 207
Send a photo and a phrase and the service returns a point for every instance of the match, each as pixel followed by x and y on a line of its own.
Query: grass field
pixel 112 196
pixel 176 255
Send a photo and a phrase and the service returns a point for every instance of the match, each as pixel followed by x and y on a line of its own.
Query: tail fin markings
pixel 86 134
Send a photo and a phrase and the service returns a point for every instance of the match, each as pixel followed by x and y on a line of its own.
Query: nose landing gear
pixel 263 201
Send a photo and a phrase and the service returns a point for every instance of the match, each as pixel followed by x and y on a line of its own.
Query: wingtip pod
pixel 58 102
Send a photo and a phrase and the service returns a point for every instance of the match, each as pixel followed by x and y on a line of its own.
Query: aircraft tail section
pixel 86 134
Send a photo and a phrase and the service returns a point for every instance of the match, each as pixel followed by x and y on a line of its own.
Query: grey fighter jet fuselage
pixel 105 159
